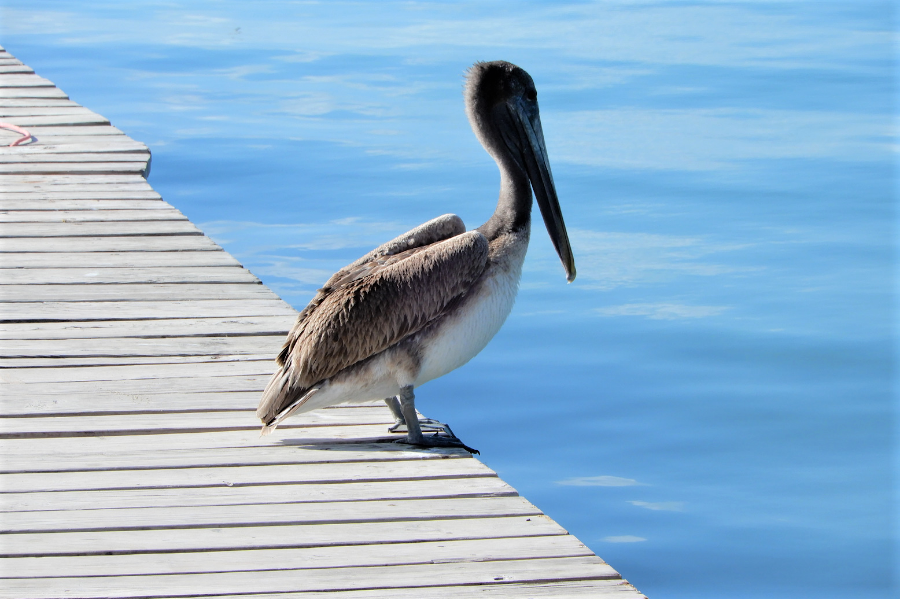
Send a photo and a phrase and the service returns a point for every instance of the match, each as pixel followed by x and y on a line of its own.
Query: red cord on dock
pixel 23 132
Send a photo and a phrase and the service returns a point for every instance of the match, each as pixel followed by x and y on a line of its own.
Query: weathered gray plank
pixel 121 347
pixel 102 275
pixel 76 119
pixel 24 81
pixel 81 131
pixel 72 167
pixel 102 215
pixel 7 69
pixel 29 102
pixel 273 455
pixel 533 590
pixel 577 568
pixel 84 311
pixel 45 204
pixel 72 138
pixel 32 92
pixel 101 229
pixel 325 557
pixel 322 435
pixel 137 243
pixel 30 392
pixel 256 515
pixel 164 292
pixel 44 157
pixel 168 423
pixel 262 537
pixel 69 146
pixel 38 190
pixel 34 204
pixel 70 180
pixel 309 473
pixel 274 494
pixel 178 327
pixel 152 371
pixel 16 111
pixel 13 364
pixel 37 403
pixel 115 260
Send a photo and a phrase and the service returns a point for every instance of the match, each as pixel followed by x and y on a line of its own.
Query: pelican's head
pixel 501 102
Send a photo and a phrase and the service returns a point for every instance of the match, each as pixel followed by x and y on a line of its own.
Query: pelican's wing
pixel 373 304
pixel 438 229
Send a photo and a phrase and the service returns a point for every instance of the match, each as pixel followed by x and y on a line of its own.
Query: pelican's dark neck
pixel 513 211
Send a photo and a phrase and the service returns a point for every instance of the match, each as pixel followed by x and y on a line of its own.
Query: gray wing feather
pixel 372 304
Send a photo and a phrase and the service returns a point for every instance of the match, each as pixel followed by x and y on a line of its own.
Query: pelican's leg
pixel 394 404
pixel 414 434
pixel 426 424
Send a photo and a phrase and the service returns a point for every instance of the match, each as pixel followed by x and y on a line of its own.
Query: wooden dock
pixel 134 350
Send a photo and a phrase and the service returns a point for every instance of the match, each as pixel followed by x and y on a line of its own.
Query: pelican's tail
pixel 280 400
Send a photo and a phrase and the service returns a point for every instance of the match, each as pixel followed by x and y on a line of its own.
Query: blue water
pixel 709 406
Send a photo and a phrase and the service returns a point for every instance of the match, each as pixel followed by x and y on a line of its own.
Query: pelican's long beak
pixel 537 165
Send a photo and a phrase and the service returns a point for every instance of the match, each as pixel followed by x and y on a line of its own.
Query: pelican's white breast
pixel 460 336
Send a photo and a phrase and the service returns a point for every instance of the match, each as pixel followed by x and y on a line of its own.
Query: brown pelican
pixel 428 301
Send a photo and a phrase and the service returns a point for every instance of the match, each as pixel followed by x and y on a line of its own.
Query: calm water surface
pixel 709 406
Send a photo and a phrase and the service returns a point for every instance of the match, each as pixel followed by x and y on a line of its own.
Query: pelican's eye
pixel 531 95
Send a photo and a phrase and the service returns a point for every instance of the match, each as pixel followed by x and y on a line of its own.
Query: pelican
pixel 427 302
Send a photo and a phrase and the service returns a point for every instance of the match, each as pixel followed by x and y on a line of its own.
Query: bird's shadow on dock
pixel 379 444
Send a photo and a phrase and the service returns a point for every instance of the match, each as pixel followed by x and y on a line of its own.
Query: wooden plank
pixel 29 102
pixel 85 141
pixel 114 260
pixel 255 515
pixel 36 204
pixel 102 229
pixel 24 81
pixel 43 157
pixel 156 274
pixel 13 364
pixel 163 292
pixel 270 537
pixel 68 146
pixel 14 111
pixel 84 130
pixel 274 455
pixel 323 579
pixel 326 557
pixel 73 167
pixel 38 188
pixel 69 180
pixel 317 436
pixel 179 327
pixel 273 495
pixel 56 120
pixel 38 403
pixel 132 373
pixel 533 590
pixel 8 69
pixel 236 476
pixel 168 423
pixel 32 92
pixel 147 311
pixel 120 347
pixel 102 215
pixel 137 243
pixel 28 393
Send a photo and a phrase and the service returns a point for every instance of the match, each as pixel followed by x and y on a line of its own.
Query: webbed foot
pixel 439 440
pixel 443 436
